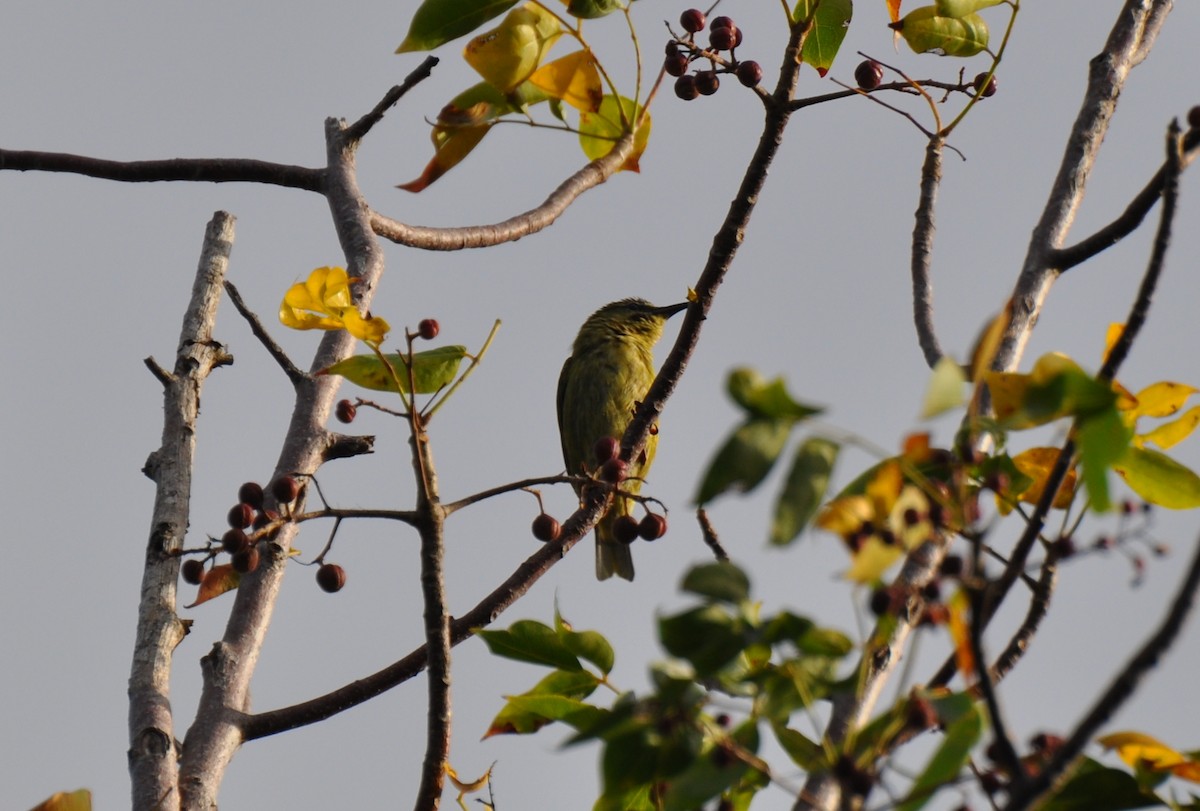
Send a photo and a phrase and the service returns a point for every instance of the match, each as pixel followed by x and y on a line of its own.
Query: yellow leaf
pixel 987 342
pixel 510 53
pixel 1111 337
pixel 572 78
pixel 79 800
pixel 323 301
pixel 872 560
pixel 945 389
pixel 451 145
pixel 960 633
pixel 884 487
pixel 1172 433
pixel 1036 463
pixel 1008 392
pixel 843 516
pixel 1142 751
pixel 1162 399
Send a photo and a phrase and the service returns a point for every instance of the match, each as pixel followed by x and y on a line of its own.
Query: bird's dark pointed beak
pixel 671 309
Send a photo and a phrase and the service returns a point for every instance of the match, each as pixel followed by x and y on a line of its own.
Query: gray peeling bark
pixel 153 753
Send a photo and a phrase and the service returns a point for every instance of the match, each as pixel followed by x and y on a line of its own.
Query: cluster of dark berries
pixel 249 521
pixel 894 600
pixel 723 35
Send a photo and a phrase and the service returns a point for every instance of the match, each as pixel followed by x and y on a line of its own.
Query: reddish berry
pixel 652 527
pixel 614 471
pixel 707 82
pixel 606 448
pixel 692 20
pixel 722 22
pixel 881 601
pixel 285 489
pixel 246 561
pixel 331 577
pixel 1193 118
pixel 868 74
pixel 345 411
pixel 672 48
pixel 192 571
pixel 546 528
pixel 722 39
pixel 990 90
pixel 685 87
pixel 240 515
pixel 626 529
pixel 952 566
pixel 749 73
pixel 676 65
pixel 251 493
pixel 429 328
pixel 234 541
pixel 723 720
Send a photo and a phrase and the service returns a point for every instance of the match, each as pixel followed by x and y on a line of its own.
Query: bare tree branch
pixel 922 252
pixel 273 349
pixel 153 755
pixel 202 170
pixel 359 129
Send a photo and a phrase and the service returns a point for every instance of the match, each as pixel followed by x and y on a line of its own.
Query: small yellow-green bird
pixel 608 374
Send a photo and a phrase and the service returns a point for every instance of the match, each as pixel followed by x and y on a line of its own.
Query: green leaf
pixel 718 581
pixel 531 641
pixel 551 708
pixel 589 645
pixel 805 753
pixel 433 369
pixel 599 131
pixel 1093 786
pixel 439 21
pixel 803 490
pixel 1102 440
pixel 1159 479
pixel 711 773
pixel 707 636
pixel 746 457
pixel 927 32
pixel 947 761
pixel 961 8
pixel 593 9
pixel 517 719
pixel 767 399
pixel 828 30
pixel 945 389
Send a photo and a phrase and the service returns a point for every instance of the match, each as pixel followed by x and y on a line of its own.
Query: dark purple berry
pixel 251 493
pixel 672 48
pixel 749 73
pixel 868 74
pixel 429 329
pixel 245 561
pixel 952 566
pixel 331 577
pixel 990 90
pixel 707 82
pixel 546 528
pixel 676 65
pixel 192 571
pixel 240 515
pixel 652 527
pixel 606 448
pixel 285 489
pixel 685 87
pixel 345 411
pixel 234 541
pixel 1193 118
pixel 722 39
pixel 692 20
pixel 722 22
pixel 614 471
pixel 626 529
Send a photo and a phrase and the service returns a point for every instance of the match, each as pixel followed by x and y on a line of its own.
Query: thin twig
pixel 359 129
pixel 922 252
pixel 294 374
pixel 475 498
pixel 709 533
pixel 203 170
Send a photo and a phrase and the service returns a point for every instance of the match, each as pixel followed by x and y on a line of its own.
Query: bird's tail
pixel 612 556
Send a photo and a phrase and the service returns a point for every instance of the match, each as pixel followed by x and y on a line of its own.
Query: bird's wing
pixel 561 400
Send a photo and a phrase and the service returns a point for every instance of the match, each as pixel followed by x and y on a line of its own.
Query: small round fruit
pixel 722 22
pixel 614 471
pixel 676 65
pixel 285 489
pixel 429 328
pixel 331 577
pixel 868 74
pixel 246 561
pixel 692 20
pixel 345 411
pixel 251 493
pixel 234 541
pixel 546 528
pixel 1193 117
pixel 672 48
pixel 606 448
pixel 626 529
pixel 685 87
pixel 749 73
pixel 192 571
pixel 990 90
pixel 240 515
pixel 722 39
pixel 707 82
pixel 652 527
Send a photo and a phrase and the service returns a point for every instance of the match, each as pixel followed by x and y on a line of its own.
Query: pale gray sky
pixel 819 294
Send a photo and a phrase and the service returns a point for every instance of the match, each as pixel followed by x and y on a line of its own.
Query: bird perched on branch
pixel 608 374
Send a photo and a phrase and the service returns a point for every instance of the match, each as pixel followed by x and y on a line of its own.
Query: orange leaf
pixel 79 800
pixel 451 145
pixel 217 581
pixel 1036 463
pixel 960 634
pixel 572 78
pixel 893 7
